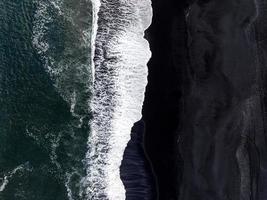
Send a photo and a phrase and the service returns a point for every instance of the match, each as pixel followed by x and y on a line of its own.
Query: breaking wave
pixel 121 54
pixel 96 55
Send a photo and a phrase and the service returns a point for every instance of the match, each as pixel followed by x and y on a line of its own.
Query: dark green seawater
pixel 44 93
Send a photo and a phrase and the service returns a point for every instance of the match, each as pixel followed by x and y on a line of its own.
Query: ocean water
pixel 72 82
pixel 45 89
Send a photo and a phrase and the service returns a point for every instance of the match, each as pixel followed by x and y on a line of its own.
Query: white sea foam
pixel 67 185
pixel 42 19
pixel 62 38
pixel 60 55
pixel 95 6
pixel 119 86
pixel 9 175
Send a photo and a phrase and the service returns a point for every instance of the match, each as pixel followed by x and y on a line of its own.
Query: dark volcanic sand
pixel 167 75
pixel 205 100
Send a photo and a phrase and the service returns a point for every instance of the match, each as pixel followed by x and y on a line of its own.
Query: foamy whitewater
pixel 110 81
pixel 121 55
pixel 5 180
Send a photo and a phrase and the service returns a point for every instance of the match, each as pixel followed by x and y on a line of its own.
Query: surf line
pixel 119 58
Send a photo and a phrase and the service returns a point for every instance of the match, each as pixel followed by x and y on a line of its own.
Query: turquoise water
pixel 44 92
